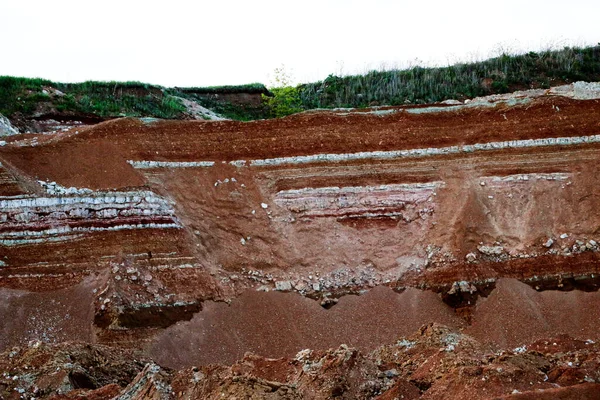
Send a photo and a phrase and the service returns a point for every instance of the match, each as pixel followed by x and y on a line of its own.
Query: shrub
pixel 284 101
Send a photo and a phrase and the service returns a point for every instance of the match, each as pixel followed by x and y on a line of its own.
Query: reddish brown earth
pixel 176 242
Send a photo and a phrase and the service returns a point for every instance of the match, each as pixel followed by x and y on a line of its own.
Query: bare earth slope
pixel 174 240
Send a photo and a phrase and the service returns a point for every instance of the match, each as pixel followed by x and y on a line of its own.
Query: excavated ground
pixel 195 243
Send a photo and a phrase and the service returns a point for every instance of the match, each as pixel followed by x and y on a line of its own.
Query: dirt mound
pixel 222 333
pixel 51 317
pixel 515 314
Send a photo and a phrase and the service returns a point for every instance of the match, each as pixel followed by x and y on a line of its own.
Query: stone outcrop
pixel 6 129
pixel 69 214
pixel 406 201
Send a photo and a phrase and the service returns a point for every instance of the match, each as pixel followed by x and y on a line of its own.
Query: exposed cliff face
pixel 136 234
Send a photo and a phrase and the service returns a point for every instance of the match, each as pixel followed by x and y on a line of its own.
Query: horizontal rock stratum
pixel 407 247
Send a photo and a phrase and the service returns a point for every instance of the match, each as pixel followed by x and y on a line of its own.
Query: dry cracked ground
pixel 447 251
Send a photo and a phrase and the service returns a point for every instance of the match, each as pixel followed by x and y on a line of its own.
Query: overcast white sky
pixel 199 43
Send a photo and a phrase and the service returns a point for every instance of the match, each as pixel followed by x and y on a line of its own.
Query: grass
pixel 419 85
pixel 25 96
pixel 104 99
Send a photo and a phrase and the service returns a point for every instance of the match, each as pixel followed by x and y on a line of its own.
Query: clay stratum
pixel 443 251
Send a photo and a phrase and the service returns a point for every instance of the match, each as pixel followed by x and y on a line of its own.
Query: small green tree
pixel 286 98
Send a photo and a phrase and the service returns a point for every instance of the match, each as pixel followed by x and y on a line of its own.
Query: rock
pixel 264 205
pixel 391 373
pixel 283 285
pixel 471 257
pixel 564 236
pixel 328 302
pixel 549 243
pixel 491 250
pixel 150 383
pixel 6 129
pixel 586 90
pixel 462 287
pixel 465 286
pixel 300 285
pixel 452 102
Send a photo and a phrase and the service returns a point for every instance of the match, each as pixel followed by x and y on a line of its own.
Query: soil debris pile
pixel 436 362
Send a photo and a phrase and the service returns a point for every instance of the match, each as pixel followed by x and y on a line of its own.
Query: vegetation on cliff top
pixel 31 98
pixel 419 85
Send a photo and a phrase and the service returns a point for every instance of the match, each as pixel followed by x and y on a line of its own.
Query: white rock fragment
pixel 520 350
pixel 564 236
pixel 283 285
pixel 491 250
pixel 264 205
pixel 452 102
pixel 549 243
pixel 462 287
